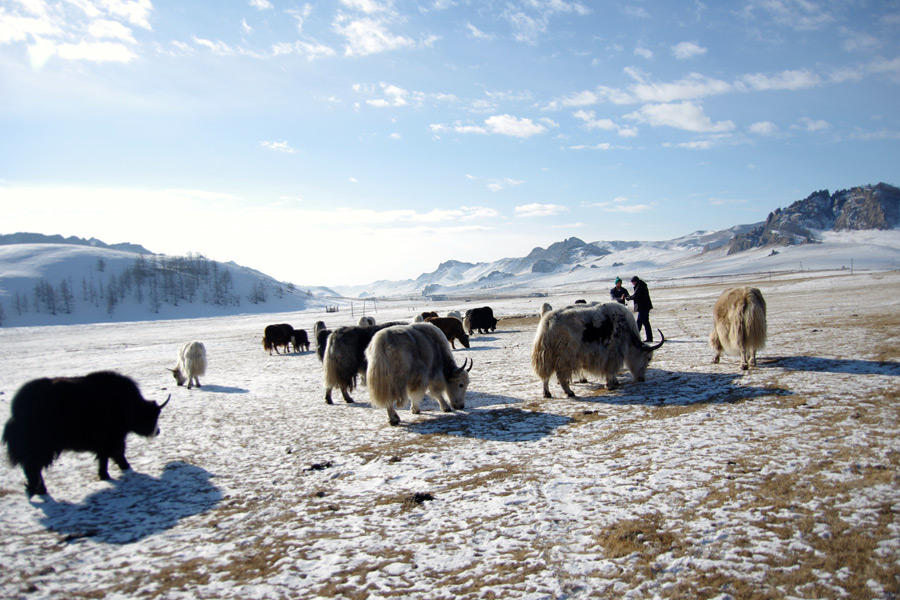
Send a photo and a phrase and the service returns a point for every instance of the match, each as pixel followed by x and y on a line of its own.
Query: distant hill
pixel 40 238
pixel 43 284
pixel 857 209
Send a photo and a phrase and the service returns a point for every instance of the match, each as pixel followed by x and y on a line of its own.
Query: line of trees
pixel 152 280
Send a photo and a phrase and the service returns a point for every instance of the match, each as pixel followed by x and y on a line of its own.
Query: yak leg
pixel 564 383
pixel 753 357
pixel 197 380
pixel 34 481
pixel 716 358
pixel 393 417
pixel 745 357
pixel 346 394
pixel 415 399
pixel 443 403
pixel 328 396
pixel 102 466
pixel 547 388
pixel 612 382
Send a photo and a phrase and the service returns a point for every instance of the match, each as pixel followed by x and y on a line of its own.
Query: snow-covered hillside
pixel 58 284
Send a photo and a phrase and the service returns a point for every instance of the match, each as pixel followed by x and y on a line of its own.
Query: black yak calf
pixel 93 413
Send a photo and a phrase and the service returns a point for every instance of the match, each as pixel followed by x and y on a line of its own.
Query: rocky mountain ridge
pixel 855 209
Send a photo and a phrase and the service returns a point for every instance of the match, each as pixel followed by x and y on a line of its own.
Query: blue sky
pixel 341 142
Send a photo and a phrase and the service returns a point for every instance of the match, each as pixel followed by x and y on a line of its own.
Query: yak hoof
pixel 570 393
pixel 328 400
pixel 744 367
pixel 38 490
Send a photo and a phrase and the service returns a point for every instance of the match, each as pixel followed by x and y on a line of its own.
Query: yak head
pixel 179 376
pixel 147 418
pixel 464 340
pixel 639 355
pixel 457 385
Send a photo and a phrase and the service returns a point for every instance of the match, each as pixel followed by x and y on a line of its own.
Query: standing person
pixel 642 305
pixel 618 293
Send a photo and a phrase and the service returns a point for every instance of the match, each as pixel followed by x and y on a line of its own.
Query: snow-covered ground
pixel 702 482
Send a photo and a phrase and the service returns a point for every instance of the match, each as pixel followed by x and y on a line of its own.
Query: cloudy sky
pixel 339 142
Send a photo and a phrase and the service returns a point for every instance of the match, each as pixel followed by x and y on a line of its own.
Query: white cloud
pixel 591 122
pixel 369 36
pixel 684 115
pixel 764 128
pixel 802 15
pixel 811 125
pixel 786 80
pixel 643 52
pixel 514 126
pixel 261 4
pixel 692 87
pixel 502 184
pixel 103 28
pixel 686 50
pixel 300 48
pixel 539 210
pixel 600 146
pixel 96 52
pixel 246 28
pixel 278 146
pixel 476 33
pixel 366 6
pixel 136 12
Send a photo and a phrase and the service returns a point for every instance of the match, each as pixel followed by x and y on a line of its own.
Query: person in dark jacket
pixel 642 305
pixel 618 293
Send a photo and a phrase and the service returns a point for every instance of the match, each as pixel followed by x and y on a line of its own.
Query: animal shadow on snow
pixel 223 389
pixel 669 389
pixel 831 365
pixel 135 507
pixel 508 424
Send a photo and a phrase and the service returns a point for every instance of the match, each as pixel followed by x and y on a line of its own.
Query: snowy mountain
pixel 574 264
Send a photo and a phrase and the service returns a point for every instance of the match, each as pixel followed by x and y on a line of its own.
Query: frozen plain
pixel 702 482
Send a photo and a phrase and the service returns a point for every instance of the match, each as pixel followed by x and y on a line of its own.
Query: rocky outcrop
pixel 860 208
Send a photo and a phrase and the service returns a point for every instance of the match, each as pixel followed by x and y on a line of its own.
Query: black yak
pixel 481 319
pixel 280 334
pixel 452 328
pixel 93 413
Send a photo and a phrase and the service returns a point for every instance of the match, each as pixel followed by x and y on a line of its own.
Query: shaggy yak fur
pixel 191 364
pixel 739 324
pixel 597 339
pixel 408 360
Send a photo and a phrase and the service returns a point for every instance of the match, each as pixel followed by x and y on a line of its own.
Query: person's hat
pixel 618 280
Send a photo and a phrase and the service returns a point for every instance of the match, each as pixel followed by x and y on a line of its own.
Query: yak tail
pixel 386 385
pixel 754 321
pixel 266 344
pixel 335 372
pixel 542 362
pixel 15 440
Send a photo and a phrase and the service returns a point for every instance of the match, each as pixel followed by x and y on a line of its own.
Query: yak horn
pixel 652 348
pixel 471 364
pixel 166 402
